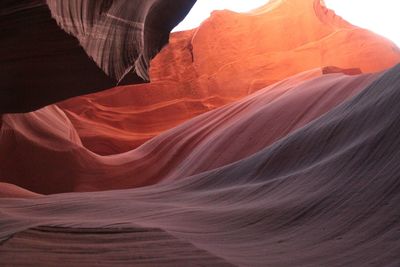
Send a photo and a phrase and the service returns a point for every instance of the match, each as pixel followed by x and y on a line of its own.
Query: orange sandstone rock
pixel 229 56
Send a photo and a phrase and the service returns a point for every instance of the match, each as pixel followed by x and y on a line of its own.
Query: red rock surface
pixel 264 139
pixel 13 191
pixel 324 195
pixel 229 56
pixel 38 143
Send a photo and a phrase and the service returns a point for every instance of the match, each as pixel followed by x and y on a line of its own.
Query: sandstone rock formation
pixel 229 56
pixel 269 138
pixel 46 46
pixel 45 143
pixel 326 194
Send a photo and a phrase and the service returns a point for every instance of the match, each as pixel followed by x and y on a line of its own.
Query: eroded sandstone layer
pixel 269 138
pixel 55 49
pixel 229 56
pixel 325 195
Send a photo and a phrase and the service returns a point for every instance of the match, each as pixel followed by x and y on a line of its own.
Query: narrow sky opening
pixel 380 16
pixel 202 9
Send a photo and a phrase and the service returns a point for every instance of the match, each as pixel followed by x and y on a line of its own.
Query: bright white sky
pixel 380 16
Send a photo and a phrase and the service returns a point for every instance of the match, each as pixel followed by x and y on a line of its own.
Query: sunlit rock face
pixel 52 50
pixel 269 138
pixel 229 56
pixel 328 187
pixel 45 143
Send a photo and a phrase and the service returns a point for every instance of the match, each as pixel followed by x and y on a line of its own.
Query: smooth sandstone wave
pixel 324 195
pixel 12 191
pixel 46 144
pixel 230 56
pixel 255 144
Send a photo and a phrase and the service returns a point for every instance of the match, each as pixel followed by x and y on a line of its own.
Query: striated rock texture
pixel 37 144
pixel 325 195
pixel 229 56
pixel 52 50
pixel 264 139
pixel 131 246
